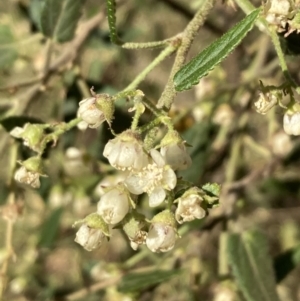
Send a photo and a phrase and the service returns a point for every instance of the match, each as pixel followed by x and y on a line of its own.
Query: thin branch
pixel 189 34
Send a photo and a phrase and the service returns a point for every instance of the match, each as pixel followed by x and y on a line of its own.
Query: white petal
pixel 169 179
pixel 135 184
pixel 157 157
pixel 113 206
pixel 156 197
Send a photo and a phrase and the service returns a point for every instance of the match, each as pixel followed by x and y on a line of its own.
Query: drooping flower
pixel 30 172
pixel 154 179
pixel 126 152
pixel 162 233
pixel 95 110
pixel 291 123
pixel 92 233
pixel 89 113
pixel 28 177
pixel 89 238
pixel 114 204
pixel 190 206
pixel 174 151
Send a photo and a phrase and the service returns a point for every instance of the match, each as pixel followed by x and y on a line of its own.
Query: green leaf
pixel 66 25
pixel 252 267
pixel 286 263
pixel 50 15
pixel 35 11
pixel 205 61
pixel 134 282
pixel 59 18
pixel 50 229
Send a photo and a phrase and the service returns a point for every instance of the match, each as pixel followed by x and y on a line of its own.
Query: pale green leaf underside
pixel 199 66
pixel 252 266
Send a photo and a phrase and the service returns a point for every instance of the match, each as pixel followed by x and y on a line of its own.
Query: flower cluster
pixel 283 15
pixel 148 171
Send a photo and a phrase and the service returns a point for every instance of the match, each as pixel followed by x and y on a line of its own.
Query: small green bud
pixel 32 134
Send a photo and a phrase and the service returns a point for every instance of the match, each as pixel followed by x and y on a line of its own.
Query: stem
pixel 60 129
pixel 49 47
pixel 281 58
pixel 155 44
pixel 111 16
pixel 166 52
pixel 189 34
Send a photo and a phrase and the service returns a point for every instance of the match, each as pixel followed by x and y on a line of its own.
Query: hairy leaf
pixel 50 15
pixel 59 18
pixel 251 266
pixel 137 281
pixel 66 25
pixel 199 66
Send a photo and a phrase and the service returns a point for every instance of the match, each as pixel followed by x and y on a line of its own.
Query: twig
pixel 189 34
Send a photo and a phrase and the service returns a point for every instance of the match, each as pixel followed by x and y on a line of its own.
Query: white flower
pixel 279 7
pixel 126 152
pixel 108 181
pixel 154 179
pixel 89 238
pixel 281 144
pixel 161 237
pixel 76 163
pixel 90 113
pixel 174 152
pixel 291 123
pixel 114 204
pixel 189 206
pixel 176 156
pixel 28 177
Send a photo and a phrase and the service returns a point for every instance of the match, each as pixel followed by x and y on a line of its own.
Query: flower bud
pixel 174 152
pixel 162 232
pixel 95 110
pixel 92 232
pixel 126 152
pixel 191 206
pixel 291 122
pixel 132 226
pixel 114 204
pixel 32 134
